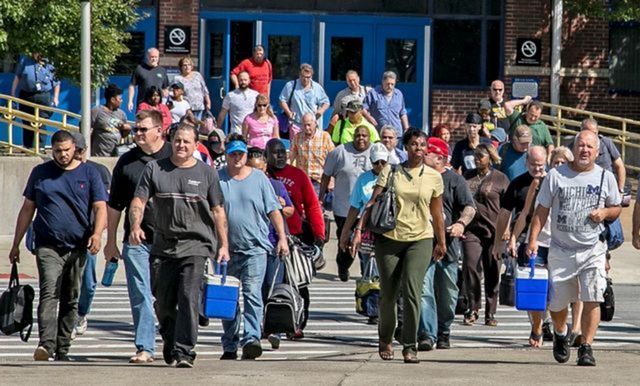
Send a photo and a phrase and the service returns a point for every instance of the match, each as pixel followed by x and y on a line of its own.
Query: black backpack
pixel 608 307
pixel 16 307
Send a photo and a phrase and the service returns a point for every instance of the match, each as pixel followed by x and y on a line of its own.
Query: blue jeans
pixel 137 266
pixel 87 286
pixel 250 270
pixel 439 282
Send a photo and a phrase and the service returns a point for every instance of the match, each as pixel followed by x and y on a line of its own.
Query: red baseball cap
pixel 438 146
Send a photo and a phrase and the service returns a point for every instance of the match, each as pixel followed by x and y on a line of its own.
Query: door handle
pixel 222 90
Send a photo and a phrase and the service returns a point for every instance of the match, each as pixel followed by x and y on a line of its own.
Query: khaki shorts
pixel 576 275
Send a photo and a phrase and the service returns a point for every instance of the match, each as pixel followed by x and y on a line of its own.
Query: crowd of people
pixel 489 196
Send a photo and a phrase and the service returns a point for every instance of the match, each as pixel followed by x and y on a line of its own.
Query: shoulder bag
pixel 16 307
pixel 613 233
pixel 384 210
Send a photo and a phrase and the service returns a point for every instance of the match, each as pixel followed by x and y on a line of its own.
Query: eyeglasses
pixel 143 130
pixel 255 155
pixel 380 162
pixel 388 137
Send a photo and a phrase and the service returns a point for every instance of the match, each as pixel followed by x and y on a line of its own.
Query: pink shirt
pixel 259 133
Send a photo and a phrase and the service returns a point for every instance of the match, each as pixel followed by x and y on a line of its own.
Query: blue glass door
pixel 216 62
pixel 401 48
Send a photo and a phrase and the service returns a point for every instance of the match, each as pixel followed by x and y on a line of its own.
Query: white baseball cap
pixel 379 152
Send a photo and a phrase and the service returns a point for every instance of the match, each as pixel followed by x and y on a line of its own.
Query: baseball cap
pixel 379 152
pixel 217 133
pixel 473 118
pixel 484 105
pixel 178 85
pixel 236 146
pixel 78 138
pixel 499 134
pixel 438 146
pixel 523 134
pixel 354 106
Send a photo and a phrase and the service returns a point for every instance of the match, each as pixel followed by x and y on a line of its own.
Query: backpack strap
pixel 295 81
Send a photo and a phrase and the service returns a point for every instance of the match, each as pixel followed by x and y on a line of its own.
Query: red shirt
pixel 259 74
pixel 166 114
pixel 304 200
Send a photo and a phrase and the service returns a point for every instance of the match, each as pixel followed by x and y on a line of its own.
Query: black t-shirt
pixel 145 77
pixel 455 197
pixel 462 156
pixel 516 194
pixel 126 174
pixel 105 175
pixel 183 202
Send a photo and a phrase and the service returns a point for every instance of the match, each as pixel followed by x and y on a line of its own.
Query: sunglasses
pixel 142 130
pixel 263 105
pixel 497 89
pixel 255 155
pixel 380 163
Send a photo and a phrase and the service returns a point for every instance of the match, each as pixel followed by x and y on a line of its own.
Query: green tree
pixel 611 10
pixel 52 27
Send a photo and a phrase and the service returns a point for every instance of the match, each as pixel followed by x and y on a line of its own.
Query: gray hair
pixel 575 141
pixel 562 151
pixel 589 122
pixel 389 75
pixel 351 72
pixel 150 50
pixel 388 127
pixel 537 149
pixel 306 67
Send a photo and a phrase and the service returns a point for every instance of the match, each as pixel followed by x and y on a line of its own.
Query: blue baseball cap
pixel 234 146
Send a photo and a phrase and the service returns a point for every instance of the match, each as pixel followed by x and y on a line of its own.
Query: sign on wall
pixel 177 39
pixel 529 52
pixel 521 87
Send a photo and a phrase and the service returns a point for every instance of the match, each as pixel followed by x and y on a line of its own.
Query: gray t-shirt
pixel 346 95
pixel 248 203
pixel 239 104
pixel 183 201
pixel 105 134
pixel 571 197
pixel 345 164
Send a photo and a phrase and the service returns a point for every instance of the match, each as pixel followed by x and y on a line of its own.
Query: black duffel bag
pixel 16 307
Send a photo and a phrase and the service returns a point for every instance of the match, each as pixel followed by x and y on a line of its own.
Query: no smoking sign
pixel 177 39
pixel 529 52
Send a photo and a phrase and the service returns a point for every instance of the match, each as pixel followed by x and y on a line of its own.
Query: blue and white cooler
pixel 532 287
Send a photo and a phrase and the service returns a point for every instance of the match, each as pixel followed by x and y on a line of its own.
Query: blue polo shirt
pixel 64 201
pixel 386 112
pixel 35 77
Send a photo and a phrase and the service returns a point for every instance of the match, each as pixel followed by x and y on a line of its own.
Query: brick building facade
pixel 585 59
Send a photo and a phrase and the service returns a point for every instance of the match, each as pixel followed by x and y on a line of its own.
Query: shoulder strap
pixel 343 122
pixel 391 175
pixel 292 90
pixel 600 188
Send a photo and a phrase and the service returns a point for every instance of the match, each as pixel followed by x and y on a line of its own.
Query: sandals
pixel 535 340
pixel 410 356
pixel 490 320
pixel 141 357
pixel 385 350
pixel 470 318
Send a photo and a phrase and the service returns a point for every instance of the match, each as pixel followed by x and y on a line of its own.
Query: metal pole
pixel 85 71
pixel 556 47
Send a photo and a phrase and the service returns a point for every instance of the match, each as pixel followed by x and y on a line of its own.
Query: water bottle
pixel 109 272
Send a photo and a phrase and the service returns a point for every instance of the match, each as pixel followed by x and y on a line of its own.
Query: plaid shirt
pixel 310 154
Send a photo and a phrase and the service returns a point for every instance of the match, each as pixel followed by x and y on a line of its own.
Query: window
pixel 401 58
pixel 624 57
pixel 216 61
pixel 346 54
pixel 467 42
pixel 241 41
pixel 284 54
pixel 128 62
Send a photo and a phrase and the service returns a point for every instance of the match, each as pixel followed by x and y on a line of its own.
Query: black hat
pixel 177 85
pixel 474 118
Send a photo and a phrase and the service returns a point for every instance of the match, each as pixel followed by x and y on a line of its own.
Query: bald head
pixel 585 150
pixel 536 161
pixel 587 136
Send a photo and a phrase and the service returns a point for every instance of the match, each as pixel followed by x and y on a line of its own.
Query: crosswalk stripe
pixel 333 328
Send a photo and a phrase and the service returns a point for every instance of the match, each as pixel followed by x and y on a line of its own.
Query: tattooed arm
pixel 136 213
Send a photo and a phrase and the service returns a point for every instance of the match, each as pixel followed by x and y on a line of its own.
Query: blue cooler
pixel 532 284
pixel 220 294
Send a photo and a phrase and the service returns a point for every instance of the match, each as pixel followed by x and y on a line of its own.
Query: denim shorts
pixel 541 258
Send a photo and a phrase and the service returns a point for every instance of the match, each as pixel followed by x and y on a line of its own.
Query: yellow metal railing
pixel 34 122
pixel 566 121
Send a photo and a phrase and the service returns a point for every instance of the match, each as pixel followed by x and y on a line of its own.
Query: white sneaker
pixel 80 327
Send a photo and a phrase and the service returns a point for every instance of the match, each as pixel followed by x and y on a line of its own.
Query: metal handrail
pixel 35 122
pixel 622 136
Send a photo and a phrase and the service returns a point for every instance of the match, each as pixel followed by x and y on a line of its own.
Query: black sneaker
pixel 443 342
pixel 425 345
pixel 343 273
pixel 585 355
pixel 203 321
pixel 251 350
pixel 62 357
pixel 547 334
pixel 185 363
pixel 229 356
pixel 561 349
pixel 167 355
